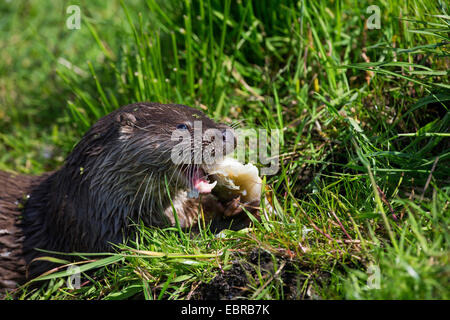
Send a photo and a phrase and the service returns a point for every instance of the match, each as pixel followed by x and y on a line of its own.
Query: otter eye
pixel 182 126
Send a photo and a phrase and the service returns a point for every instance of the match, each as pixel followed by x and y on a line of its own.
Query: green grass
pixel 363 183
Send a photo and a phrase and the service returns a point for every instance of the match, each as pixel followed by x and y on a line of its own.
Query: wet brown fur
pixel 114 176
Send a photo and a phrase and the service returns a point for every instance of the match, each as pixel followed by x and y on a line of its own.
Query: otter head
pixel 123 170
pixel 136 155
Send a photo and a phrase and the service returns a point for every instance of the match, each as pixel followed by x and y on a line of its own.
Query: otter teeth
pixel 199 183
pixel 203 186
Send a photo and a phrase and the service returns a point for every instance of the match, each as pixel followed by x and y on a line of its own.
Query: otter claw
pixel 233 207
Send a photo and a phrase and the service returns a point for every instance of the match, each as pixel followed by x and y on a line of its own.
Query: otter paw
pixel 235 207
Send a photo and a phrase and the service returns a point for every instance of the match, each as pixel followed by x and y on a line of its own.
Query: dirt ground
pixel 240 281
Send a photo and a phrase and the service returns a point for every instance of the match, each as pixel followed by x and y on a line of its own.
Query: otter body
pixel 116 175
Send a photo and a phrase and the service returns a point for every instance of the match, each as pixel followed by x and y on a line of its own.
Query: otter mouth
pixel 198 182
pixel 201 183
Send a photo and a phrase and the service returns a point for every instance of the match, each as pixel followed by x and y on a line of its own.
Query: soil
pixel 236 282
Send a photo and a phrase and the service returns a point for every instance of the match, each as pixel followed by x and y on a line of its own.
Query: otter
pixel 121 172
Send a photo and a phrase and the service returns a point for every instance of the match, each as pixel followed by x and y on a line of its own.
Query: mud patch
pixel 260 271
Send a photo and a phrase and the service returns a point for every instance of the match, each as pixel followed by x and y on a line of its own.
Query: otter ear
pixel 125 119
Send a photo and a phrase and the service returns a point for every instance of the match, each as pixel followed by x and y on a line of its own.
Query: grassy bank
pixel 362 194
